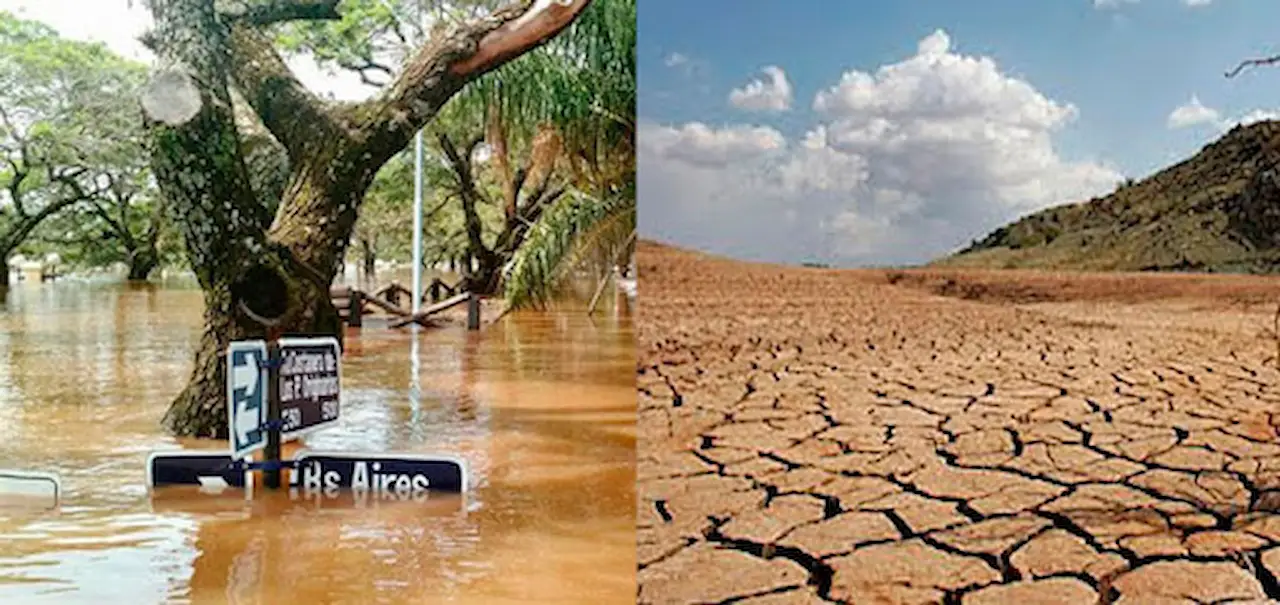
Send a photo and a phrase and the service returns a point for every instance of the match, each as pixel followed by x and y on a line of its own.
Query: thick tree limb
pixel 23 228
pixel 279 11
pixel 259 14
pixel 442 67
pixel 15 189
pixel 538 22
pixel 198 161
pixel 1249 63
pixel 293 114
pixel 470 195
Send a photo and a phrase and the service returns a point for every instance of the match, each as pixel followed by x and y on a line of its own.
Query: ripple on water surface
pixel 541 406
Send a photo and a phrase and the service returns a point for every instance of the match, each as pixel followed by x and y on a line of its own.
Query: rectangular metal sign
pixel 395 474
pixel 211 471
pixel 30 486
pixel 310 378
pixel 246 396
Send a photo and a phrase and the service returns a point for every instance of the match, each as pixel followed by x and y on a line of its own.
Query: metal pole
pixel 417 222
pixel 271 456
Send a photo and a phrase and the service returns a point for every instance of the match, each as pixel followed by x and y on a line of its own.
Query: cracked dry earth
pixel 813 436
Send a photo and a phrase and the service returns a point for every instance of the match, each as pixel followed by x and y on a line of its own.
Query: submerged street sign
pixel 210 471
pixel 379 474
pixel 25 486
pixel 246 396
pixel 310 377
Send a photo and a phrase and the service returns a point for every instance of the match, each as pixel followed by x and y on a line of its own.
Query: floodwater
pixel 540 405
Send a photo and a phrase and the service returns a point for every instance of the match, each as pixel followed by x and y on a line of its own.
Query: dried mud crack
pixel 820 436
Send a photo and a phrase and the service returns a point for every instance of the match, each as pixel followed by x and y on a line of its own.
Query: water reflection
pixel 541 406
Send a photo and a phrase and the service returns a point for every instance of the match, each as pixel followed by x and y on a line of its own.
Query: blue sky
pixel 1110 78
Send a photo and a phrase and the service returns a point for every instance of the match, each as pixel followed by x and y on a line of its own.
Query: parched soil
pixel 873 436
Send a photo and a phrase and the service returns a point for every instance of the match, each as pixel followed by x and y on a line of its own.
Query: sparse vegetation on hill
pixel 1218 211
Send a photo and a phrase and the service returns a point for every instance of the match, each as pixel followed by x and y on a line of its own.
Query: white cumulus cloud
pixel 770 94
pixel 906 163
pixel 1193 113
pixel 698 144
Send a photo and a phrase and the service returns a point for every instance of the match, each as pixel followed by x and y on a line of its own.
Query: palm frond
pixel 576 232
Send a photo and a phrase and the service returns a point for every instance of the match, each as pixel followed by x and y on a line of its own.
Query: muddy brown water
pixel 540 405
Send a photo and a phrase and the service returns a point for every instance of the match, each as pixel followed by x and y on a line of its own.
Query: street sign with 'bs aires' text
pixel 325 472
pixel 310 377
pixel 246 396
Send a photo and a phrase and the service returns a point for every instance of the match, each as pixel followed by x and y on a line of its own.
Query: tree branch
pixel 462 168
pixel 533 26
pixel 15 189
pixel 290 111
pixel 279 11
pixel 443 66
pixel 113 225
pixel 1249 63
pixel 364 66
pixel 24 227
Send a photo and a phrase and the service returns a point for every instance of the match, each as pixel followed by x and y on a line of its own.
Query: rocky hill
pixel 1218 211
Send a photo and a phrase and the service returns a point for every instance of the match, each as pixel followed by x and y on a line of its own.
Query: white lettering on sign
pixel 309 375
pixel 365 478
pixel 291 418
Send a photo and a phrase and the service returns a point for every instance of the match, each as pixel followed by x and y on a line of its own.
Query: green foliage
pixel 374 37
pixel 582 83
pixel 386 216
pixel 1211 212
pixel 70 141
pixel 577 233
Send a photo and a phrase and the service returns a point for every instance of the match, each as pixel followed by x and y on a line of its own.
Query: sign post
pixel 271 472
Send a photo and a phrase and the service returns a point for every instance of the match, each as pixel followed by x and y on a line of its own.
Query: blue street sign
pixel 210 471
pixel 310 378
pixel 246 396
pixel 378 474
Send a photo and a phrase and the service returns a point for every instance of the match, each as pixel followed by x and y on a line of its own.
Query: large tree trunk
pixel 258 278
pixel 306 257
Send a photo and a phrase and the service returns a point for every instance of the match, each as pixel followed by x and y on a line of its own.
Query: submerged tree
pixel 258 270
pixel 122 224
pixel 65 139
pixel 557 118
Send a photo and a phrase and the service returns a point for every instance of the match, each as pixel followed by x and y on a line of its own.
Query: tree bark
pixel 526 193
pixel 251 270
pixel 141 263
pixel 370 259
